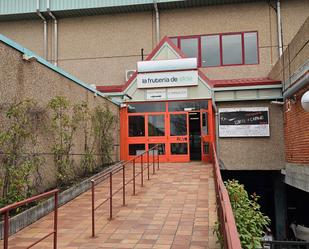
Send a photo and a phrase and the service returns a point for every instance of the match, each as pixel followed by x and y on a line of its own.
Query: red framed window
pixel 228 49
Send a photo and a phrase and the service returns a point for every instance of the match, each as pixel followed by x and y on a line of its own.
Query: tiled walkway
pixel 175 209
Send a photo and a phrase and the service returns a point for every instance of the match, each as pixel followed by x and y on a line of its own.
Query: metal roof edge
pixel 58 70
pixel 233 88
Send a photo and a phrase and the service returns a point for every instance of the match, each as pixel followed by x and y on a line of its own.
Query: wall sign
pixel 167 79
pixel 244 122
pixel 177 93
pixel 154 94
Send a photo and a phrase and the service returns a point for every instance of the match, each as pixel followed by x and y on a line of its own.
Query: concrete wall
pixel 20 79
pixel 256 153
pixel 98 49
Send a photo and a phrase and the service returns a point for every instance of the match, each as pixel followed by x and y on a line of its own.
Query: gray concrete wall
pixel 20 80
pixel 254 153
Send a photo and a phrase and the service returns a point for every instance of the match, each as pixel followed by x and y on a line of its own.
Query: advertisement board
pixel 244 122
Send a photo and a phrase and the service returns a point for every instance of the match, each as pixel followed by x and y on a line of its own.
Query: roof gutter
pixel 44 27
pixel 157 21
pixel 301 83
pixel 55 35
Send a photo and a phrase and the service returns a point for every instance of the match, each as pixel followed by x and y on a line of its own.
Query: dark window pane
pixel 136 126
pixel 175 41
pixel 136 149
pixel 182 105
pixel 206 148
pixel 231 49
pixel 156 125
pixel 210 50
pixel 147 107
pixel 189 47
pixel 178 124
pixel 205 123
pixel 179 149
pixel 251 50
pixel 161 148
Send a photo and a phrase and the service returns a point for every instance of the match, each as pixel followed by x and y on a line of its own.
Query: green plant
pixel 66 120
pixel 250 221
pixel 19 168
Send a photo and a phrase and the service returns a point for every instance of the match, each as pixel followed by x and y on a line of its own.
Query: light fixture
pixel 305 101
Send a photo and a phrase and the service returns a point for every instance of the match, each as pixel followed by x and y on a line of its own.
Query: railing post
pixel 148 164
pixel 92 208
pixel 142 171
pixel 123 185
pixel 134 177
pixel 6 230
pixel 110 195
pixel 158 157
pixel 153 162
pixel 55 219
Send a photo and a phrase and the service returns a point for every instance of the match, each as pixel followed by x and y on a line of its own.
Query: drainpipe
pixel 279 28
pixel 45 27
pixel 157 21
pixel 217 120
pixel 55 50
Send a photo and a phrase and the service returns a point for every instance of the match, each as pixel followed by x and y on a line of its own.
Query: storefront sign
pixel 156 94
pixel 167 79
pixel 244 122
pixel 177 93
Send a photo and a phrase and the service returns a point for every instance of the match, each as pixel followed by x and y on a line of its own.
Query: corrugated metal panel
pixel 94 7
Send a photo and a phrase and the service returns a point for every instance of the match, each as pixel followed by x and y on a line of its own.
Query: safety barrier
pixel 225 212
pixel 6 212
pixel 122 167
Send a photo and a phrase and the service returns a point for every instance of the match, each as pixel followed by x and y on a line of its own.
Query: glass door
pixel 205 136
pixel 178 137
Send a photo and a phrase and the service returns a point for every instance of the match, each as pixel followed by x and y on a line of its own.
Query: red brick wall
pixel 296 129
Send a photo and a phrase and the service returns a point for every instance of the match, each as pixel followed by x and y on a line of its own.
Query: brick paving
pixel 175 209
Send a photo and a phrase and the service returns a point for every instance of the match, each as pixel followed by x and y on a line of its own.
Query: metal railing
pixel 122 167
pixel 6 212
pixel 225 212
pixel 285 244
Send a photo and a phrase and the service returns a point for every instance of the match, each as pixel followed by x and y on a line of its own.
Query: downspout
pixel 45 27
pixel 55 50
pixel 217 121
pixel 157 21
pixel 279 28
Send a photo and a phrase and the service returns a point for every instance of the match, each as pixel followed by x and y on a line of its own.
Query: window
pixel 156 125
pixel 179 149
pixel 220 49
pixel 136 126
pixel 161 148
pixel 178 124
pixel 175 106
pixel 146 107
pixel 136 149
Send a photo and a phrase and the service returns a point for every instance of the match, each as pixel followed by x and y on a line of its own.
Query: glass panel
pixel 156 125
pixel 205 123
pixel 231 49
pixel 136 149
pixel 189 47
pixel 206 148
pixel 147 107
pixel 179 149
pixel 136 126
pixel 161 148
pixel 175 41
pixel 183 105
pixel 251 49
pixel 178 124
pixel 210 50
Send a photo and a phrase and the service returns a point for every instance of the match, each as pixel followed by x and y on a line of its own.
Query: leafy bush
pixel 250 221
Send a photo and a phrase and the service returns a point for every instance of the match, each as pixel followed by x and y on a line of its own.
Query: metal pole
pixel 148 164
pixel 158 157
pixel 142 171
pixel 92 208
pixel 153 163
pixel 55 220
pixel 6 230
pixel 123 186
pixel 110 195
pixel 134 177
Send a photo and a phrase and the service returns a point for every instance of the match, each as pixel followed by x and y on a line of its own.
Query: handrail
pixel 113 171
pixel 225 212
pixel 6 210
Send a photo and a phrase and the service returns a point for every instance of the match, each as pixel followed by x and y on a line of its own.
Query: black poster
pixel 244 118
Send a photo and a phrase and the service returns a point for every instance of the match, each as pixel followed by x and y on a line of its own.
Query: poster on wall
pixel 244 122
